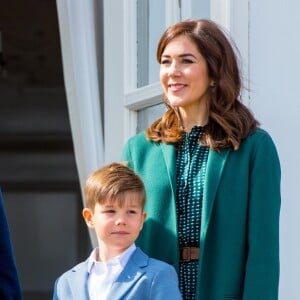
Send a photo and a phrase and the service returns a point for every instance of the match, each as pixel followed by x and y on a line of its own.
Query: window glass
pixel 150 26
pixel 147 116
pixel 195 9
pixel 151 17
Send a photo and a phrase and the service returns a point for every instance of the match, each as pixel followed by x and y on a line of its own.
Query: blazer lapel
pixel 78 281
pixel 215 167
pixel 130 275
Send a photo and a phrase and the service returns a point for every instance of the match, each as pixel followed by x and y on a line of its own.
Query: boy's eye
pixel 109 211
pixel 132 212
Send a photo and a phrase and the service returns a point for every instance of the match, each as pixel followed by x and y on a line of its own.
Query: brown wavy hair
pixel 230 121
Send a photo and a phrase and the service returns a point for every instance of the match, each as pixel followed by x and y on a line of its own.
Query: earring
pixel 213 84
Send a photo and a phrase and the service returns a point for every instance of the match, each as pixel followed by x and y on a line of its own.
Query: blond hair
pixel 111 183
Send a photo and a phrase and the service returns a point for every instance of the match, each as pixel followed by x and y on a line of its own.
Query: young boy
pixel 117 269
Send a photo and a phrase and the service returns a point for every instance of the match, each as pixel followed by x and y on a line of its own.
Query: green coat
pixel 239 237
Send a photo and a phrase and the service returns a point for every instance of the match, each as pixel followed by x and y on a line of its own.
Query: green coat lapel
pixel 215 167
pixel 169 155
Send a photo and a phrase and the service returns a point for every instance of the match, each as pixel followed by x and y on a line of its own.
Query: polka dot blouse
pixel 191 168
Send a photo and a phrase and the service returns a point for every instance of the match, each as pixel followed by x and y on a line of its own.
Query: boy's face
pixel 116 227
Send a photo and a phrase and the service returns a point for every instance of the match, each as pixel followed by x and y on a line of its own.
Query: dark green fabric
pixel 239 236
pixel 191 161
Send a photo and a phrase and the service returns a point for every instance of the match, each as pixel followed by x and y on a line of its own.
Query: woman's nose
pixel 174 69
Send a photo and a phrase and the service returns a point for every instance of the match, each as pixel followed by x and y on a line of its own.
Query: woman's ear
pixel 87 214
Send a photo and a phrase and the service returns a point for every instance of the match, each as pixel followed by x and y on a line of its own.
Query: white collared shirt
pixel 103 274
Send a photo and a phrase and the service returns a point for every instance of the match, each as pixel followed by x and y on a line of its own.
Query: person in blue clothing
pixel 117 269
pixel 10 288
pixel 211 174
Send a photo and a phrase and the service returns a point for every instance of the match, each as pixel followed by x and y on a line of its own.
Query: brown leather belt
pixel 189 254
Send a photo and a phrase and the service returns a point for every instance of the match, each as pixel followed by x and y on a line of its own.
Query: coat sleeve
pixel 9 282
pixel 262 267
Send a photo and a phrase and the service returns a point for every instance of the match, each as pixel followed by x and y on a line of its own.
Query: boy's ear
pixel 144 215
pixel 88 217
pixel 143 219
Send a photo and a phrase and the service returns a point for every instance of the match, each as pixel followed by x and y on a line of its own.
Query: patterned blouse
pixel 191 163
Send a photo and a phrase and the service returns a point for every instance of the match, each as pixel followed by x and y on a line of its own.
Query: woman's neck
pixel 189 120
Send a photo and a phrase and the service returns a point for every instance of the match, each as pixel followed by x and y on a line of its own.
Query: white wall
pixel 274 74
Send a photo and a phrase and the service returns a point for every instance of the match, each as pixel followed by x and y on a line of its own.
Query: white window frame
pixel 234 17
pixel 138 98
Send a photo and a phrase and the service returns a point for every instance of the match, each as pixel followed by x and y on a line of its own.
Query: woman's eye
pixel 187 61
pixel 164 61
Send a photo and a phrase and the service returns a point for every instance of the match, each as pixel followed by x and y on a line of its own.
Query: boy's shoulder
pixel 72 282
pixel 80 267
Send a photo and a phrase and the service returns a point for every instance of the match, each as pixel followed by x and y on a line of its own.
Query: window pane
pixel 147 116
pixel 150 26
pixel 195 9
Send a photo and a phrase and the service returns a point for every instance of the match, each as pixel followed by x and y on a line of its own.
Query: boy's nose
pixel 120 221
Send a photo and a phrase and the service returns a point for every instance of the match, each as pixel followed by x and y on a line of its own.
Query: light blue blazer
pixel 142 278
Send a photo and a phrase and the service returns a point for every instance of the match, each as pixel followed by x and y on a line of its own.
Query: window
pixel 142 89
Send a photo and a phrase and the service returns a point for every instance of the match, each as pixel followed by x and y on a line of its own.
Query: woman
pixel 212 176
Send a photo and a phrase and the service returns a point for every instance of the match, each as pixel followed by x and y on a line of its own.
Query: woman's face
pixel 184 74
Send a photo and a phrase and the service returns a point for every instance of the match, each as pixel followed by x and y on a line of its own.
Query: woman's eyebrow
pixel 187 54
pixel 181 55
